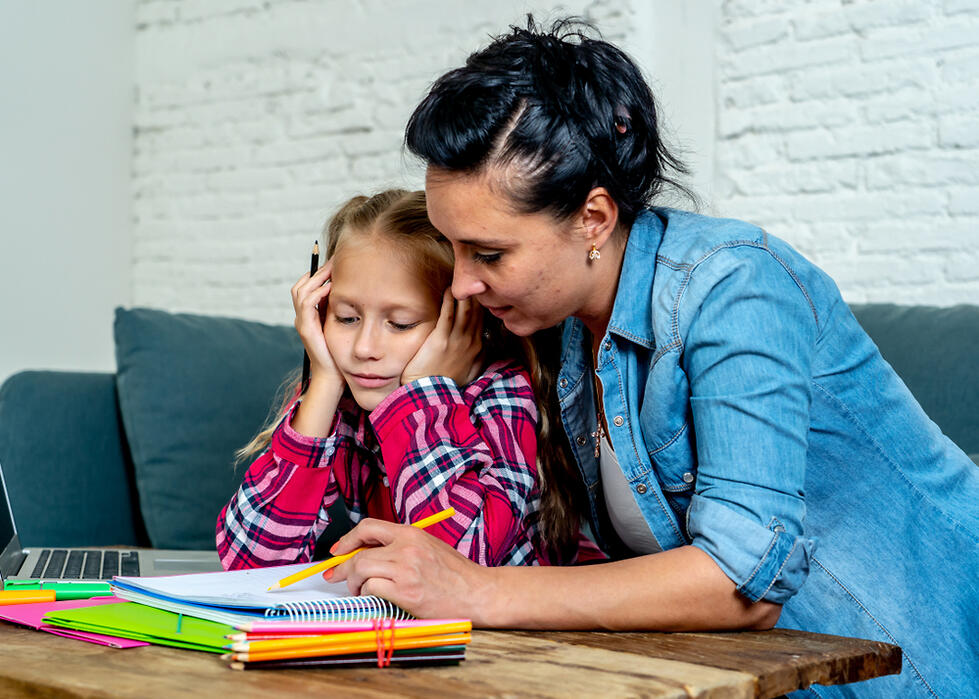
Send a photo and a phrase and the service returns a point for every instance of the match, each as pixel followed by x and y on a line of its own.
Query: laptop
pixel 89 564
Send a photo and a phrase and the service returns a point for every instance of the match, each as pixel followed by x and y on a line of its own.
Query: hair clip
pixel 622 120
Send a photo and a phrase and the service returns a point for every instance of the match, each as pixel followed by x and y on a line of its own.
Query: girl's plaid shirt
pixel 436 446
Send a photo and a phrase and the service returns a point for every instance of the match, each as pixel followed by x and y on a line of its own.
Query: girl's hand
pixel 454 347
pixel 309 298
pixel 416 571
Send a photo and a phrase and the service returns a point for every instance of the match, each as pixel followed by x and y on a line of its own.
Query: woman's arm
pixel 473 450
pixel 677 590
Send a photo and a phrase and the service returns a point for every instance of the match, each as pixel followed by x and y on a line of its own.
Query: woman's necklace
pixel 600 432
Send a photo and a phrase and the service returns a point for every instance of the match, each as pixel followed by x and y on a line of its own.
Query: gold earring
pixel 594 254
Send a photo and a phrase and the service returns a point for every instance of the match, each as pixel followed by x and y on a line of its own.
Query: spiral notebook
pixel 239 596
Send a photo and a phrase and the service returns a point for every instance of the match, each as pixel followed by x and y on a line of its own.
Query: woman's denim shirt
pixel 754 419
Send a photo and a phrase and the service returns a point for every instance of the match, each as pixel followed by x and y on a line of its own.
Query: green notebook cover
pixel 142 623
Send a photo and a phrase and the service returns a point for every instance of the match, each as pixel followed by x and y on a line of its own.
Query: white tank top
pixel 624 513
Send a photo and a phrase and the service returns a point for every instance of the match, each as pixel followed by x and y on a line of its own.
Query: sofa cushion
pixel 934 351
pixel 193 389
pixel 64 461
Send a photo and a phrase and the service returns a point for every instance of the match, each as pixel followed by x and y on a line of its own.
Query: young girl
pixel 411 408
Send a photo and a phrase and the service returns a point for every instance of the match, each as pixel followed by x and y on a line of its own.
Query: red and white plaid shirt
pixel 437 446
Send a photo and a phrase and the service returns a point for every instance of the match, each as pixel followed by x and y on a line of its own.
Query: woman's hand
pixel 416 571
pixel 454 347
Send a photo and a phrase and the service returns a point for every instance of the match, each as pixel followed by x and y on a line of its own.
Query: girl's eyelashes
pixel 402 326
pixel 487 258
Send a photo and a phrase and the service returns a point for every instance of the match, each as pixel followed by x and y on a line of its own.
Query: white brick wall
pixel 255 119
pixel 851 129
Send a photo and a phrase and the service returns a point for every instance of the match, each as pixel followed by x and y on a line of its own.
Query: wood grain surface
pixel 499 663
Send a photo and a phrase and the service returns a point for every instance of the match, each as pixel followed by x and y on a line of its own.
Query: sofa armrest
pixel 65 460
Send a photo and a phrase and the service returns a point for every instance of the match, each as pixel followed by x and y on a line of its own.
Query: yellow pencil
pixel 337 560
pixel 351 637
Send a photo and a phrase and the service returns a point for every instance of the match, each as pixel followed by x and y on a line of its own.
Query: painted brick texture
pixel 256 119
pixel 851 129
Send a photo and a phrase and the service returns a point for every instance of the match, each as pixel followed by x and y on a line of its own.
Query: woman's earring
pixel 594 254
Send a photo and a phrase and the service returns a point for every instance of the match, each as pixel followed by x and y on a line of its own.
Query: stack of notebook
pixel 311 622
pixel 268 645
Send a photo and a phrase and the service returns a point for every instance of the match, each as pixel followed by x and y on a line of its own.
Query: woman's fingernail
pixel 333 549
pixel 328 574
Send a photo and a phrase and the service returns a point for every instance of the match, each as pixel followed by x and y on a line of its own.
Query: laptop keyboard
pixel 81 564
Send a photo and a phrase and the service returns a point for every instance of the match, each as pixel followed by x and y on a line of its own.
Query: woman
pixel 743 451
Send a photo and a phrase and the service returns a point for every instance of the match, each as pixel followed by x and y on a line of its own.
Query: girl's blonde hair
pixel 400 217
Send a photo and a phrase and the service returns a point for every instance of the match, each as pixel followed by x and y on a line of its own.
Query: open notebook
pixel 240 596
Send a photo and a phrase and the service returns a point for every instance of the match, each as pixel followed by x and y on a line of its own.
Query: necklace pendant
pixel 597 436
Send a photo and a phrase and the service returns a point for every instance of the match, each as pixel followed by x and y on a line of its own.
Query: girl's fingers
pixel 462 316
pixel 446 313
pixel 475 324
pixel 310 284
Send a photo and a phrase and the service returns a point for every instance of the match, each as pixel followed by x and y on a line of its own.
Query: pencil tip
pixel 273 587
pixel 316 247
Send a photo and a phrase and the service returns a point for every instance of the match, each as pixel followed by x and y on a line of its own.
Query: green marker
pixel 64 590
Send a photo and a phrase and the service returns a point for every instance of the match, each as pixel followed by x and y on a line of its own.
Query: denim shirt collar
pixel 632 313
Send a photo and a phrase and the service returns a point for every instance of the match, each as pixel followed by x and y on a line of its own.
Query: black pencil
pixel 314 264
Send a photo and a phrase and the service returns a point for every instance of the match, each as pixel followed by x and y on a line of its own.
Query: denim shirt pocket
pixel 668 431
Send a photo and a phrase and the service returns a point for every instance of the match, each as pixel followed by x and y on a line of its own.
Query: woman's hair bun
pixel 558 112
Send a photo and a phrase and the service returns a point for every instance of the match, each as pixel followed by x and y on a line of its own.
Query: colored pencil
pixel 337 560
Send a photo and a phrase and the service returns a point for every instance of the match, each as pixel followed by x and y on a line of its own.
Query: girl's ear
pixel 599 216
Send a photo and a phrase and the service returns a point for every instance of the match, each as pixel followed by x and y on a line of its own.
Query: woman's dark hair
pixel 558 112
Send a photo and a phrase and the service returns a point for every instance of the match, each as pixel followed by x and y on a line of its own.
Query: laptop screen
pixel 10 551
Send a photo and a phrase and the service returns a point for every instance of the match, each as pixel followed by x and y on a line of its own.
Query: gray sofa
pixel 145 456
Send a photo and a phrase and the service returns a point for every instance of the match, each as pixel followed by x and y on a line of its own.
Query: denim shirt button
pixel 608 345
pixel 581 440
pixel 688 477
pixel 563 383
pixel 618 421
pixel 641 488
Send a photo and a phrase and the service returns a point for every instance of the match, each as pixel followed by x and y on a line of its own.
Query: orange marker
pixel 27 596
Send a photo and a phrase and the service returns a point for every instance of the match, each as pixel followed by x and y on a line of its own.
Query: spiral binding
pixel 338 609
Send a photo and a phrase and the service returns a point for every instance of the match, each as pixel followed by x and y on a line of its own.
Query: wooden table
pixel 499 663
